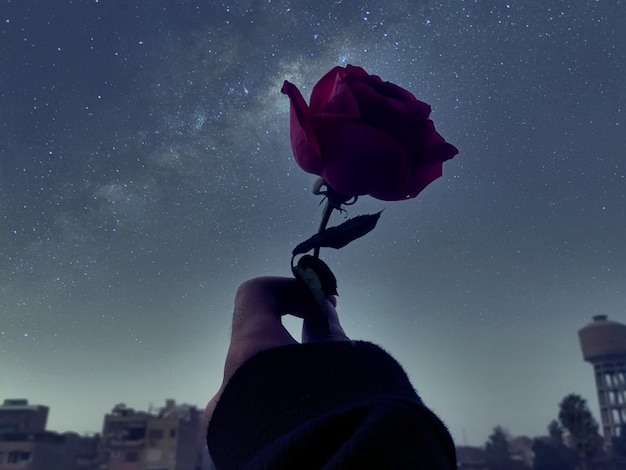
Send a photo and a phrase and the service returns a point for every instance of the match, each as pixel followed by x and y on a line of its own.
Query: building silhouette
pixel 168 438
pixel 603 344
pixel 25 444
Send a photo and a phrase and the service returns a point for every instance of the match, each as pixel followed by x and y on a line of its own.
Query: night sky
pixel 146 171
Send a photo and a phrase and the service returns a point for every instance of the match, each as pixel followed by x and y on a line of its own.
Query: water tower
pixel 603 343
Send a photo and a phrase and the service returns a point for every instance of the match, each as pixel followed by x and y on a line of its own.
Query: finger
pixel 257 326
pixel 313 331
pixel 274 296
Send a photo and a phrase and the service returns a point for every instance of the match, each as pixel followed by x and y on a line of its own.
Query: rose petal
pixel 424 144
pixel 436 149
pixel 423 177
pixel 392 95
pixel 415 183
pixel 402 100
pixel 303 142
pixel 323 89
pixel 407 123
pixel 358 159
pixel 377 108
pixel 444 150
pixel 333 95
pixel 354 72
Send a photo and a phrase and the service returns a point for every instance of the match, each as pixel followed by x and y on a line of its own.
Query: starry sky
pixel 146 171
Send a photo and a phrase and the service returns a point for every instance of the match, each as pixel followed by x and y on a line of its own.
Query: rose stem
pixel 328 209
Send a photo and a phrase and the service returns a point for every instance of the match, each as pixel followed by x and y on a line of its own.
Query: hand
pixel 260 304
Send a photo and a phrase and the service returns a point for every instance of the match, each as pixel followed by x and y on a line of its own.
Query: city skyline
pixel 166 437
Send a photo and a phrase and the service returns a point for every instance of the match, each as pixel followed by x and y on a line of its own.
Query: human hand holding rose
pixel 363 136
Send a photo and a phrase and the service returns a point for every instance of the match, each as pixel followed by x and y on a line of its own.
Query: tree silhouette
pixel 497 447
pixel 555 431
pixel 575 416
pixel 553 455
pixel 498 451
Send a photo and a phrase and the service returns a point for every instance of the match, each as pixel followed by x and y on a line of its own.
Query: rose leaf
pixel 341 235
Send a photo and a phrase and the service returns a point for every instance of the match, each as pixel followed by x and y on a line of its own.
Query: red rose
pixel 366 136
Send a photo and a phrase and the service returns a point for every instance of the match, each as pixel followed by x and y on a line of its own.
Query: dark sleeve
pixel 334 405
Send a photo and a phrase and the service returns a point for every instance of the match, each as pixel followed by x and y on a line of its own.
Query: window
pixel 153 454
pixel 18 456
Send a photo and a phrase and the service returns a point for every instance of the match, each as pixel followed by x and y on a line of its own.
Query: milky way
pixel 146 171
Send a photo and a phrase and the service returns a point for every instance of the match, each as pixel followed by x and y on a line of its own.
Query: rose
pixel 366 136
